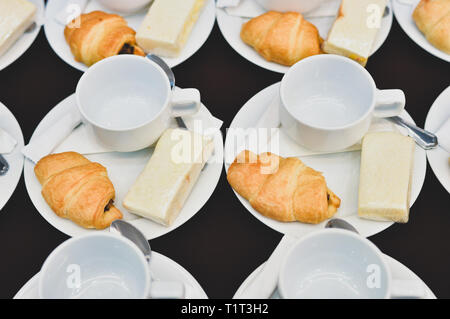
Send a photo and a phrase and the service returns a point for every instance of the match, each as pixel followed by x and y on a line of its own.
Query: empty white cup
pixel 339 264
pixel 328 102
pixel 128 102
pixel 101 266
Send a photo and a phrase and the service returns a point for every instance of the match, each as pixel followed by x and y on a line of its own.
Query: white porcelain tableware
pixel 54 31
pixel 403 10
pixel 125 7
pixel 128 102
pixel 328 101
pixel 302 6
pixel 341 171
pixel 338 264
pixel 230 26
pixel 101 266
pixel 439 159
pixel 26 40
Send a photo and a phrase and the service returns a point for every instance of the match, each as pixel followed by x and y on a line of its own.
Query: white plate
pixel 8 182
pixel 55 31
pixel 123 169
pixel 438 158
pixel 398 270
pixel 162 267
pixel 26 40
pixel 403 14
pixel 230 26
pixel 340 170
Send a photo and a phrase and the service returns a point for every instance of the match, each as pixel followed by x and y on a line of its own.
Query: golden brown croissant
pixel 100 35
pixel 77 189
pixel 283 189
pixel 432 17
pixel 284 38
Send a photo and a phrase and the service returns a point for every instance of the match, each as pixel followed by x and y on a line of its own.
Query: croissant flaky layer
pixel 77 189
pixel 98 35
pixel 284 38
pixel 432 17
pixel 284 189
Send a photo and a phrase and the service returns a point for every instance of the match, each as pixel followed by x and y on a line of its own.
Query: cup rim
pixel 113 59
pixel 338 59
pixel 72 240
pixel 343 232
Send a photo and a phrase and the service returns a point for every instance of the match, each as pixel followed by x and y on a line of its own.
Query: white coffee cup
pixel 328 102
pixel 128 102
pixel 302 6
pixel 339 264
pixel 126 7
pixel 101 266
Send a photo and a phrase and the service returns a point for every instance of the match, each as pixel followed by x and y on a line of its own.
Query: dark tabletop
pixel 224 243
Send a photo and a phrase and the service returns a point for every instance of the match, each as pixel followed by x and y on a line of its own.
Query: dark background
pixel 223 243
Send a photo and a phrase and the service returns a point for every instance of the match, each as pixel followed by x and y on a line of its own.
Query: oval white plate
pixel 398 270
pixel 230 26
pixel 8 182
pixel 340 170
pixel 403 14
pixel 55 31
pixel 439 158
pixel 123 169
pixel 26 40
pixel 162 267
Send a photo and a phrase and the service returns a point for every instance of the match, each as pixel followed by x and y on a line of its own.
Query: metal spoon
pixel 132 233
pixel 341 224
pixel 424 139
pixel 4 166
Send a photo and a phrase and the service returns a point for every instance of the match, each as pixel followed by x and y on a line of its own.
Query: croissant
pixel 284 38
pixel 77 189
pixel 432 17
pixel 283 189
pixel 100 35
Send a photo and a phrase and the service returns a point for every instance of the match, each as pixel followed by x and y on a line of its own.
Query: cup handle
pixel 167 290
pixel 389 103
pixel 185 102
pixel 404 289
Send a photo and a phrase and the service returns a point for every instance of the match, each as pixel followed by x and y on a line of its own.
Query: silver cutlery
pixel 423 138
pixel 132 233
pixel 4 166
pixel 340 224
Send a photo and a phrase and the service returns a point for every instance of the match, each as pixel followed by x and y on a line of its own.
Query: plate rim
pixel 16 152
pixel 39 19
pixel 272 66
pixel 424 45
pixel 81 67
pixel 55 223
pixel 260 218
pixel 431 154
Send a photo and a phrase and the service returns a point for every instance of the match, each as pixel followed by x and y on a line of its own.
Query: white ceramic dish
pixel 340 170
pixel 55 31
pixel 162 267
pixel 230 27
pixel 26 40
pixel 398 271
pixel 123 169
pixel 403 14
pixel 439 158
pixel 8 182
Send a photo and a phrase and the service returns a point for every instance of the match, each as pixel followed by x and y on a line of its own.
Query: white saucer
pixel 403 14
pixel 230 26
pixel 340 170
pixel 398 270
pixel 26 40
pixel 55 31
pixel 8 183
pixel 439 158
pixel 123 169
pixel 162 267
